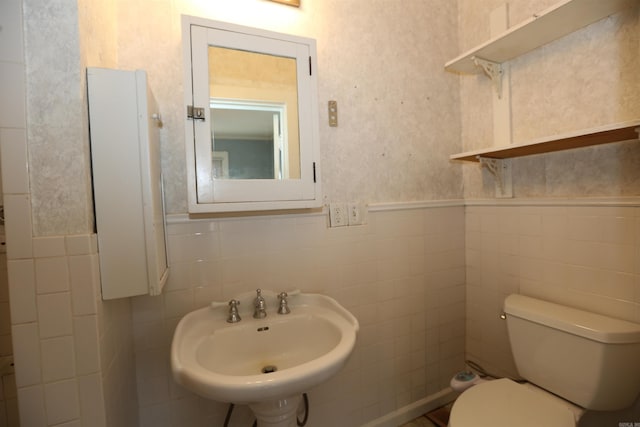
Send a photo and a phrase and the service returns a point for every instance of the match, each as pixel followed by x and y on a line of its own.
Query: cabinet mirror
pixel 252 125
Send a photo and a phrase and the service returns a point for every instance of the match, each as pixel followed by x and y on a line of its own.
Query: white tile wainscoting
pixel 582 253
pixel 402 275
pixel 72 351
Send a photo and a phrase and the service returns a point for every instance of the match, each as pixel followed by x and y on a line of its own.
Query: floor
pixel 439 416
pixel 423 421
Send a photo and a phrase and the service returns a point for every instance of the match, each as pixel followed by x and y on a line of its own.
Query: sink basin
pixel 260 360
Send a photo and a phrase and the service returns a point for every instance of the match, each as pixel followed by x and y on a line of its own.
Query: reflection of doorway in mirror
pixel 260 82
pixel 220 165
pixel 254 135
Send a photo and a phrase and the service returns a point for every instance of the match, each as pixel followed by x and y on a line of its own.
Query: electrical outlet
pixel 356 213
pixel 338 216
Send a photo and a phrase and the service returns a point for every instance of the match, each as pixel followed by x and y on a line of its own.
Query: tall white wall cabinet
pixel 127 183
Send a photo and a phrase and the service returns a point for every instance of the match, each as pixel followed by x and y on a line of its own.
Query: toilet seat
pixel 505 403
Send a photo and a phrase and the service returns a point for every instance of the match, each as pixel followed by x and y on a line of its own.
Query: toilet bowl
pixel 505 403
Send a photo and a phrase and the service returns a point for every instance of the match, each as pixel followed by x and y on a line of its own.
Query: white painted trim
pixel 184 218
pixel 398 206
pixel 374 207
pixel 430 204
pixel 414 410
pixel 581 201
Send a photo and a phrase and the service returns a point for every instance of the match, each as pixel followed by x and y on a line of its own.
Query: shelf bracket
pixel 493 70
pixel 501 171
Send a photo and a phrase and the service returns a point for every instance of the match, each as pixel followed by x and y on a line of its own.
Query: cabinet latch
pixel 195 113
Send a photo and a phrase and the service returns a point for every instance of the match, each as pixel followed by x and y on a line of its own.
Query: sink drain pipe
pixel 229 412
pixel 255 423
pixel 306 411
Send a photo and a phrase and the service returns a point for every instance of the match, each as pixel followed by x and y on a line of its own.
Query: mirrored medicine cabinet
pixel 251 118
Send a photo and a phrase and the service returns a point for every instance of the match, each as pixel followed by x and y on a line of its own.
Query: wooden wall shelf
pixel 618 132
pixel 542 28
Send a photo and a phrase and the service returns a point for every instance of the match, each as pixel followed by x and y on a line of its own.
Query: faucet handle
pixel 259 298
pixel 234 316
pixel 259 306
pixel 259 302
pixel 284 307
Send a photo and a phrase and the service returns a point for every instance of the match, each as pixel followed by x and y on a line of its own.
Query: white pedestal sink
pixel 265 363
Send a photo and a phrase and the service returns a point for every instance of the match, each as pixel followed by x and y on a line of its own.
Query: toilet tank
pixel 589 359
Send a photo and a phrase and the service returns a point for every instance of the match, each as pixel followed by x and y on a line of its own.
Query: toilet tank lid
pixel 578 322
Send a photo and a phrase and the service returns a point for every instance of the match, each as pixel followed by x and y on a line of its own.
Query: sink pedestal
pixel 277 413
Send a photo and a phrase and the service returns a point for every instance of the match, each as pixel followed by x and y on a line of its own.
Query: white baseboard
pixel 414 410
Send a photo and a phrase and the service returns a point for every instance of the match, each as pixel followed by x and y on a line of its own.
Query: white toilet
pixel 590 360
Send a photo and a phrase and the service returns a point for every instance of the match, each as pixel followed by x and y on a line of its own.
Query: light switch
pixel 333 113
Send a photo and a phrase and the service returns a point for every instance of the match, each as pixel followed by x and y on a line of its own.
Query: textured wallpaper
pixel 401 114
pixel 381 60
pixel 58 146
pixel 586 79
pixel 61 40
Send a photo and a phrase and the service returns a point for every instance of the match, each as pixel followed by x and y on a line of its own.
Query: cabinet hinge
pixel 195 113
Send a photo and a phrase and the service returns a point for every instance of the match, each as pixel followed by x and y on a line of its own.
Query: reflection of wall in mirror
pixel 220 161
pixel 236 74
pixel 247 159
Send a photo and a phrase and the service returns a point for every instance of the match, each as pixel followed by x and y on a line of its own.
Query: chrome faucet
pixel 259 305
pixel 283 308
pixel 234 317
